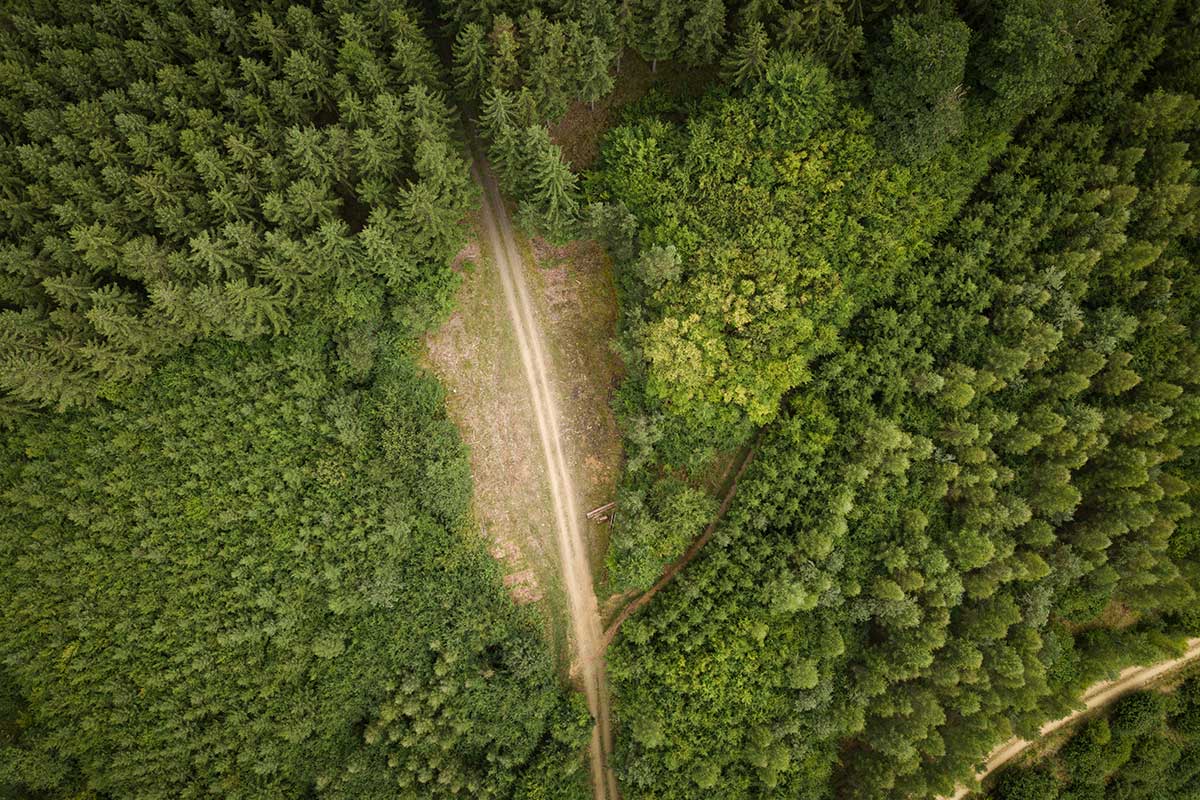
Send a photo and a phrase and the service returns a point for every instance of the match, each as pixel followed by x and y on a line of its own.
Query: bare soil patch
pixel 574 290
pixel 475 356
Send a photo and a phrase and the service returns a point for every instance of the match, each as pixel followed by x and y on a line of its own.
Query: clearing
pixel 527 363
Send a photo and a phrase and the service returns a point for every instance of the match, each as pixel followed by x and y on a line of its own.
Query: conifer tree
pixel 746 61
pixel 595 80
pixel 553 202
pixel 657 30
pixel 505 49
pixel 548 72
pixel 704 32
pixel 471 60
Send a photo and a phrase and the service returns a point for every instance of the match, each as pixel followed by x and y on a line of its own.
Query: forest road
pixel 573 553
pixel 1097 695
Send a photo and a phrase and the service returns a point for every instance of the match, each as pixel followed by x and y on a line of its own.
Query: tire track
pixel 573 554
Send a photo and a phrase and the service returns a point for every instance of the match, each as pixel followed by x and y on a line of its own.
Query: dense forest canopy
pixel 1144 747
pixel 251 581
pixel 926 269
pixel 175 170
pixel 247 568
pixel 952 308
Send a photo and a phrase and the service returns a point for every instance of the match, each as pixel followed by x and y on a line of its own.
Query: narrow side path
pixel 677 566
pixel 1097 695
pixel 573 553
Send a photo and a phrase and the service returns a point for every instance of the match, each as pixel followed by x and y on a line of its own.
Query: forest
pixel 909 322
pixel 1144 746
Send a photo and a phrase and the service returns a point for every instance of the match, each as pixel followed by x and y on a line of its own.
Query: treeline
pixel 953 306
pixel 1146 746
pixel 521 64
pixel 173 171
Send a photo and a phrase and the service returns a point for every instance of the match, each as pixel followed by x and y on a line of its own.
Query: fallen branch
pixel 599 510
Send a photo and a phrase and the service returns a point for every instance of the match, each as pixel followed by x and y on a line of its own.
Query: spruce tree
pixel 704 32
pixel 548 72
pixel 657 30
pixel 504 65
pixel 746 61
pixel 595 81
pixel 471 60
pixel 553 202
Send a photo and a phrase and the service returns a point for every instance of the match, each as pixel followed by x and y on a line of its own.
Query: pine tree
pixel 471 60
pixel 746 61
pixel 657 30
pixel 553 202
pixel 499 122
pixel 595 81
pixel 548 73
pixel 705 32
pixel 504 66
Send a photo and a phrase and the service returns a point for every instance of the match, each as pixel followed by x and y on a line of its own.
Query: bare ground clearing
pixel 475 356
pixel 529 369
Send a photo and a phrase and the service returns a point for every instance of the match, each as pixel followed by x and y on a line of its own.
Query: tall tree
pixel 471 60
pixel 553 201
pixel 595 80
pixel 917 83
pixel 704 31
pixel 657 30
pixel 505 49
pixel 746 61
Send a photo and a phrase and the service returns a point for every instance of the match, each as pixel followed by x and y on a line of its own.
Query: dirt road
pixel 573 553
pixel 1097 695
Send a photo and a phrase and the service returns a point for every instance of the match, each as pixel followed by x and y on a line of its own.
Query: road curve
pixel 573 553
pixel 1097 695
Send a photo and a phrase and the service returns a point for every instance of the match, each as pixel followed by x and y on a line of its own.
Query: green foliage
pixel 1026 784
pixel 225 576
pixel 1039 45
pixel 968 373
pixel 1151 754
pixel 212 171
pixel 552 198
pixel 917 83
pixel 748 310
pixel 655 529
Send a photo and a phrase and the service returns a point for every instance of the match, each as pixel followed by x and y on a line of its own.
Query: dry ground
pixel 475 356
pixel 577 308
pixel 527 362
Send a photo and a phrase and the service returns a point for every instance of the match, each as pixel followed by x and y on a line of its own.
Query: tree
pixel 1040 47
pixel 656 33
pixel 552 199
pixel 917 83
pixel 746 61
pixel 471 60
pixel 548 72
pixel 504 66
pixel 595 80
pixel 705 32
